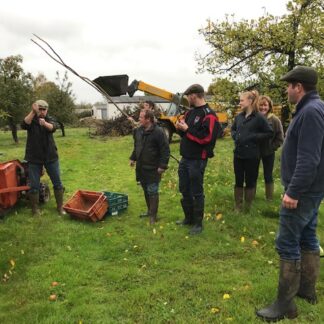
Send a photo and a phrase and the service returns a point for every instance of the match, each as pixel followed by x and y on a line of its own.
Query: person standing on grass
pixel 198 130
pixel 269 146
pixel 41 152
pixel 151 156
pixel 302 174
pixel 248 130
pixel 147 105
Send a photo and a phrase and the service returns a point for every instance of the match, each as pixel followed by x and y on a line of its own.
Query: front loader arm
pixel 148 88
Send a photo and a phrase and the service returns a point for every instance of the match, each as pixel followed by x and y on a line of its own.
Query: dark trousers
pixel 268 163
pixel 246 171
pixel 191 181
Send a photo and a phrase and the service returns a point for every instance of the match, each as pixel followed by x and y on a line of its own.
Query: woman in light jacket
pixel 269 146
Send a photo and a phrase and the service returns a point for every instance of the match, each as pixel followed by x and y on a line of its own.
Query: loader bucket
pixel 114 85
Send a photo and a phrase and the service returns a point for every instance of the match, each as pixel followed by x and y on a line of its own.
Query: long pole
pixel 57 58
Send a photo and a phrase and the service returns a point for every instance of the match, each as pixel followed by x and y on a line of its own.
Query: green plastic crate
pixel 117 202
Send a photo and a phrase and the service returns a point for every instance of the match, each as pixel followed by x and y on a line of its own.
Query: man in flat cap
pixel 302 174
pixel 198 130
pixel 41 152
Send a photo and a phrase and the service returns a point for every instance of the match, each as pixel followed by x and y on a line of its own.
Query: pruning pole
pixel 57 58
pixel 174 158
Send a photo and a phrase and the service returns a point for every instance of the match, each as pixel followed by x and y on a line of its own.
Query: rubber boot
pixel 34 201
pixel 310 266
pixel 284 306
pixel 198 215
pixel 238 197
pixel 58 193
pixel 145 214
pixel 249 194
pixel 187 207
pixel 154 205
pixel 269 188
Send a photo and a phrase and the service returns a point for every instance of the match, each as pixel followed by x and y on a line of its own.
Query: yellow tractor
pixel 117 85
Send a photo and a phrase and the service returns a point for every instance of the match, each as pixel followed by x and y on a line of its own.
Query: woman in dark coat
pixel 249 129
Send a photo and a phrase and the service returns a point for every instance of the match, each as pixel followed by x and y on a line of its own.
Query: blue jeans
pixel 297 227
pixel 191 180
pixel 35 171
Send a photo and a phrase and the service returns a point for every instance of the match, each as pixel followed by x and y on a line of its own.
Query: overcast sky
pixel 152 41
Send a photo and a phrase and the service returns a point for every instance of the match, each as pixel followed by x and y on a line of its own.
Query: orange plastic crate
pixel 8 179
pixel 87 205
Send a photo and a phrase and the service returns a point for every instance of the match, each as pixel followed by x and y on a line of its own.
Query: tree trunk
pixel 14 130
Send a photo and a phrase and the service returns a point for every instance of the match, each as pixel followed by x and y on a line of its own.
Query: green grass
pixel 123 270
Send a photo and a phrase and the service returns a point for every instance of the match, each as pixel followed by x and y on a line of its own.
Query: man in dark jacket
pixel 41 152
pixel 151 155
pixel 198 130
pixel 302 174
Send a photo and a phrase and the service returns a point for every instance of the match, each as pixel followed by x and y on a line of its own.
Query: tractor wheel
pixel 167 131
pixel 44 193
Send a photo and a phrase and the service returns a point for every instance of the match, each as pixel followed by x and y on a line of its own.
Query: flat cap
pixel 303 74
pixel 41 103
pixel 194 88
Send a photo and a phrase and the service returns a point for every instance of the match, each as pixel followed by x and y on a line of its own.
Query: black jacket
pixel 151 151
pixel 302 159
pixel 248 133
pixel 199 140
pixel 40 147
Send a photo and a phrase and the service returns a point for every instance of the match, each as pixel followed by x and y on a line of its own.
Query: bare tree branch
pixel 60 61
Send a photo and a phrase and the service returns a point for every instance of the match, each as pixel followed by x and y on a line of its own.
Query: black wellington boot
pixel 147 201
pixel 198 215
pixel 284 306
pixel 187 207
pixel 310 266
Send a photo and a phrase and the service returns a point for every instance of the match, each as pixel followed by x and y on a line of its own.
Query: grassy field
pixel 123 270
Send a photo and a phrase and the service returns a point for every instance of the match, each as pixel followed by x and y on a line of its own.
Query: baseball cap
pixel 194 88
pixel 303 74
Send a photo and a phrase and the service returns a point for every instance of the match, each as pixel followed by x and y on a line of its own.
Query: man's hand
pixel 35 108
pixel 160 170
pixel 42 122
pixel 132 163
pixel 288 202
pixel 45 124
pixel 182 125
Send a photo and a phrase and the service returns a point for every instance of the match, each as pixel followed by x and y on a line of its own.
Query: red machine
pixel 14 184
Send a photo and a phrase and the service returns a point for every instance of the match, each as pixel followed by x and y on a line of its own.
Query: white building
pixel 109 111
